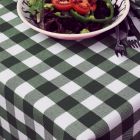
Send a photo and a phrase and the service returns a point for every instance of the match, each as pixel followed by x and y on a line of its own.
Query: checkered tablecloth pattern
pixel 64 90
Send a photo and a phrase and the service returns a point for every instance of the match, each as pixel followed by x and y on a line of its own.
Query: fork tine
pixel 132 44
pixel 129 42
pixel 138 44
pixel 121 52
pixel 116 52
pixel 135 43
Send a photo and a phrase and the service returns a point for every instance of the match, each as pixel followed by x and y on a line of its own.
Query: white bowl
pixel 124 9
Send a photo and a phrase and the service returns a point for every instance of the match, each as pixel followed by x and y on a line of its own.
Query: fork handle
pixel 117 33
pixel 133 28
pixel 127 25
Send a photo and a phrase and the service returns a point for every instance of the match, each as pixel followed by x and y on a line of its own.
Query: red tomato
pixel 92 4
pixel 81 6
pixel 93 7
pixel 63 5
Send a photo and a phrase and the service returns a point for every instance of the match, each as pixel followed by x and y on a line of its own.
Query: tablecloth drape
pixel 65 90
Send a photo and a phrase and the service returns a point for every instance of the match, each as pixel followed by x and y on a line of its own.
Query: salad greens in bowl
pixel 72 19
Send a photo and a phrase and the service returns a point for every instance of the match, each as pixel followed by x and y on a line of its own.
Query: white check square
pixel 6 75
pixel 116 86
pixel 135 102
pixel 54 138
pixel 95 72
pixel 50 74
pixel 3 102
pixel 75 60
pixel 39 129
pixel 70 88
pixel 91 102
pixel 3 37
pixel 39 37
pixel 136 71
pixel 22 136
pixel 86 135
pixel 43 104
pixel 112 119
pixel 14 50
pixel 97 47
pixel 23 89
pixel 5 125
pixel 1 6
pixel 56 48
pixel 19 115
pixel 8 16
pixel 64 120
pixel 32 61
pixel 22 27
pixel 136 128
pixel 117 60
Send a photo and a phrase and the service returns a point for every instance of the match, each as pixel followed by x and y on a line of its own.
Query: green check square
pixel 57 95
pixel 3 11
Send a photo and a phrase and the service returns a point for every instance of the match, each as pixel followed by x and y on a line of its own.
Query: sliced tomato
pixel 92 4
pixel 93 7
pixel 81 6
pixel 63 5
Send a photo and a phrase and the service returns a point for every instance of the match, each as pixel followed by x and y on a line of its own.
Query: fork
pixel 129 40
pixel 119 48
pixel 132 32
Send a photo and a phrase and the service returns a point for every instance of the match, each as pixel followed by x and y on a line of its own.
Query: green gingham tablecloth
pixel 53 89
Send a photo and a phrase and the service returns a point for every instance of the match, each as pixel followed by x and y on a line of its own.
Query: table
pixel 54 89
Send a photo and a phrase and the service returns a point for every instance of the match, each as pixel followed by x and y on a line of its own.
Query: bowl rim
pixel 61 35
